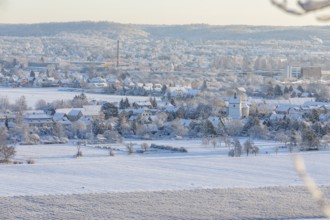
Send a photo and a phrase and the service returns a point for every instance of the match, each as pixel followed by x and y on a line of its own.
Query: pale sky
pixel 216 12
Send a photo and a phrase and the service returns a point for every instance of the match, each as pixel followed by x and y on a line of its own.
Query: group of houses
pixel 146 113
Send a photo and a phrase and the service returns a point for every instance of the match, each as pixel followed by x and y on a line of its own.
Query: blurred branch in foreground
pixel 304 7
pixel 311 186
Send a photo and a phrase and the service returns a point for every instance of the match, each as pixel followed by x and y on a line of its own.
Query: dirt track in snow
pixel 253 203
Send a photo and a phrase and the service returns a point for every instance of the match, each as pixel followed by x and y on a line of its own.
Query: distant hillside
pixel 208 32
pixel 187 32
pixel 85 27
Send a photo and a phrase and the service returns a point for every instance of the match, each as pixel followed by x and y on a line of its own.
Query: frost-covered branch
pixel 311 186
pixel 304 7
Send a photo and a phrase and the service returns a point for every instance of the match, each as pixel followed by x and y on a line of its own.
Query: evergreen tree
pixel 270 90
pixel 208 128
pixel 153 102
pixel 127 104
pixel 79 100
pixel 316 115
pixel 300 88
pixel 237 148
pixel 318 129
pixel 163 90
pixel 32 74
pixel 7 123
pixel 168 96
pixel 310 140
pixel 98 127
pixel 122 104
pixel 172 101
pixel 278 91
pixel 204 86
pixel 134 127
pixel 109 110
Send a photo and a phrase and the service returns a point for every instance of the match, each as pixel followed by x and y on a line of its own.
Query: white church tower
pixel 235 108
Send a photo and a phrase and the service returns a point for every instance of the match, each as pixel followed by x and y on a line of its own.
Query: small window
pixel 234 105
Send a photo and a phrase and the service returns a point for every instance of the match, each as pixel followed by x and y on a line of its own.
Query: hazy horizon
pixel 151 12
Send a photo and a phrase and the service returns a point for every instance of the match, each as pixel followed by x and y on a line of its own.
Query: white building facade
pixel 235 108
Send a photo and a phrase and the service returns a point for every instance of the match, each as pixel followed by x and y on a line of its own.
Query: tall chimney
pixel 117 53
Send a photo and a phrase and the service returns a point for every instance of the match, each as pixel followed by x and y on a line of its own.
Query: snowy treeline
pixel 189 117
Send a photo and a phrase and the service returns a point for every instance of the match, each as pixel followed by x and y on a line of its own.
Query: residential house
pixel 7 119
pixel 62 118
pixel 75 114
pixel 142 104
pixel 145 117
pixel 38 119
pixel 284 109
pixel 92 111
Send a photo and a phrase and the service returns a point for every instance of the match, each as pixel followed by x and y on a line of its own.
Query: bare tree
pixel 227 141
pixel 248 147
pixel 3 135
pixel 58 130
pixel 144 147
pixel 4 103
pixel 34 138
pixel 326 140
pixel 178 127
pixel 237 148
pixel 234 127
pixel 282 137
pixel 6 153
pixel 79 129
pixel 20 104
pixel 79 152
pixel 214 142
pixel 205 141
pixel 255 150
pixel 130 148
pixel 41 104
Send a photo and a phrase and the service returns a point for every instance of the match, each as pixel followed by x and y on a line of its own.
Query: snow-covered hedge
pixel 169 148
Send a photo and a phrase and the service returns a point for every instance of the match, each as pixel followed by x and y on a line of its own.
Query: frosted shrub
pixel 30 162
pixel 231 153
pixel 183 150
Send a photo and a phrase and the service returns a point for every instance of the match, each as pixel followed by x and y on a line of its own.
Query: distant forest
pixel 194 32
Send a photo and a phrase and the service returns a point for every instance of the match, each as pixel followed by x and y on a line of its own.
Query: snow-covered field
pixel 202 184
pixel 252 203
pixel 33 95
pixel 56 171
